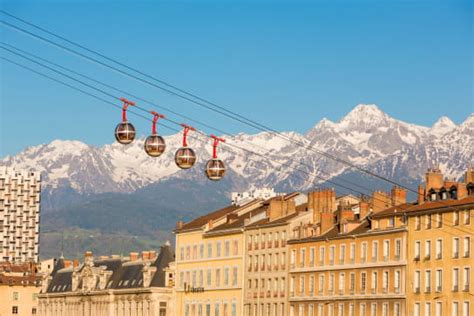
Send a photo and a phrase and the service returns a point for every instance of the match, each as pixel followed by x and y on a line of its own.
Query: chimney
pixel 145 255
pixel 67 263
pixel 75 263
pixel 380 201
pixel 469 175
pixel 179 224
pixel 279 207
pixel 363 209
pixel 346 213
pixel 399 196
pixel 421 195
pixel 133 256
pixel 321 201
pixel 152 254
pixel 210 224
pixel 88 254
pixel 434 179
pixel 327 222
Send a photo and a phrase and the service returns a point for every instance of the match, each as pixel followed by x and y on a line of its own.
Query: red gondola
pixel 125 132
pixel 155 144
pixel 215 168
pixel 185 156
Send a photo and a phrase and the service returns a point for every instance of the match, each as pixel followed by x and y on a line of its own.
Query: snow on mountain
pixel 366 136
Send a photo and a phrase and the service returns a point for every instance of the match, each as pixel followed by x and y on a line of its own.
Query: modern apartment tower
pixel 19 215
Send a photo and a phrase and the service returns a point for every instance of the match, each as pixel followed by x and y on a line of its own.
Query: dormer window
pixel 453 193
pixel 432 194
pixel 470 188
pixel 443 195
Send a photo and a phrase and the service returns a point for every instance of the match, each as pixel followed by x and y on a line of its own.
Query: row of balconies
pixel 268 244
pixel 439 289
pixel 352 291
pixel 268 267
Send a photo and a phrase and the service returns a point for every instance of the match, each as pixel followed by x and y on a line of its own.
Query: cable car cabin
pixel 125 133
pixel 185 158
pixel 215 169
pixel 154 145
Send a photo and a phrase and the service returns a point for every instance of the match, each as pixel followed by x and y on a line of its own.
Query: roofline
pixel 424 211
pixel 348 235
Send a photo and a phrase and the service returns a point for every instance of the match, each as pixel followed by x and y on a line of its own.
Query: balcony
pixel 362 291
pixel 321 262
pixel 311 263
pixel 331 262
pixel 311 293
pixel 341 260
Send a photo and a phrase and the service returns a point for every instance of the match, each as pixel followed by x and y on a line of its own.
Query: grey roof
pixel 125 274
pixel 164 258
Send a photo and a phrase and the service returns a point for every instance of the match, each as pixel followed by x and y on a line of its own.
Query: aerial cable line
pixel 176 130
pixel 154 104
pixel 220 109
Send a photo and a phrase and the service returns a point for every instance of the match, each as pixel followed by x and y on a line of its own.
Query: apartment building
pixel 266 273
pixel 20 284
pixel 347 265
pixel 210 261
pixel 111 285
pixel 19 215
pixel 439 246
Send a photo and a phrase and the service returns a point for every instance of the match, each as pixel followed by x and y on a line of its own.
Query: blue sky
pixel 286 64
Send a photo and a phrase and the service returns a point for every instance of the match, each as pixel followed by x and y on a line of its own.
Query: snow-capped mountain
pixel 366 136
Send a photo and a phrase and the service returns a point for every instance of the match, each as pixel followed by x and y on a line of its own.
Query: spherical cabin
pixel 154 145
pixel 185 158
pixel 125 133
pixel 215 169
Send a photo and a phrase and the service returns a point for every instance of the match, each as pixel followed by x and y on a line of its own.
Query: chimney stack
pixel 434 179
pixel 469 175
pixel 133 256
pixel 321 201
pixel 380 201
pixel 75 263
pixel 152 254
pixel 279 207
pixel 421 195
pixel 364 209
pixel 399 196
pixel 179 224
pixel 145 255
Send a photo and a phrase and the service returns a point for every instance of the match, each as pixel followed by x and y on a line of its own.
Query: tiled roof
pixel 239 221
pixel 162 262
pixel 426 206
pixel 200 221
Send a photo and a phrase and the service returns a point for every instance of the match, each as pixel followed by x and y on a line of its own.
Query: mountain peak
pixel 369 114
pixel 442 126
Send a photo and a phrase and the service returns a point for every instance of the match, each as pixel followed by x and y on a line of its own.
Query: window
pixel 201 251
pixel 311 256
pixel 385 281
pixel 455 247
pixel 181 253
pixel 373 309
pixel 427 249
pixel 227 248
pixel 417 222
pixel 352 282
pixel 455 309
pixel 375 246
pixel 439 249
pixel 456 218
pixel 16 296
pixel 362 309
pixel 311 284
pixel 439 280
pixel 439 221
pixel 466 275
pixel 320 310
pixel 385 309
pixel 427 309
pixel 352 252
pixel 427 281
pixel 386 249
pixel 209 250
pixel 218 249
pixel 340 310
pixel 342 280
pixel 363 252
pixel 332 250
pixel 465 308
pixel 321 255
pixel 331 282
pixel 417 250
pixel 33 311
pixel 292 286
pixel 234 276
pixel 396 281
pixel 302 278
pixel 14 309
pixel 438 309
pixel 428 221
pixel 396 309
pixel 218 277
pixel 416 309
pixel 321 283
pixel 455 279
pixel 363 281
pixel 342 254
pixel 236 248
pixel 467 217
pixel 467 247
pixel 216 309
pixel 351 309
pixel 374 282
pixel 302 257
pixel 417 281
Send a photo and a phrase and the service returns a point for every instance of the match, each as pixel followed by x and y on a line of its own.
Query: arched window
pixel 443 194
pixel 432 194
pixel 453 193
